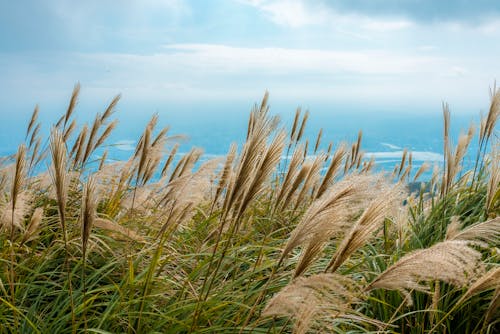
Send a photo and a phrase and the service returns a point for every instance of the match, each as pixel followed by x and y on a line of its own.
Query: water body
pixel 214 127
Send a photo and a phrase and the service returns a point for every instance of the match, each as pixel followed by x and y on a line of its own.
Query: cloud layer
pixel 398 12
pixel 361 52
pixel 222 72
pixel 421 10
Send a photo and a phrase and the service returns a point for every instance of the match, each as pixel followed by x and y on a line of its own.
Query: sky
pixel 400 55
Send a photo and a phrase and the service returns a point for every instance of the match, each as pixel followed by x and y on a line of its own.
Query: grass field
pixel 251 243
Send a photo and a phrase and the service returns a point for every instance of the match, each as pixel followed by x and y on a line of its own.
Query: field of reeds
pixel 249 243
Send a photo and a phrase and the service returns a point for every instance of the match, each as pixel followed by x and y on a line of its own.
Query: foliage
pixel 252 243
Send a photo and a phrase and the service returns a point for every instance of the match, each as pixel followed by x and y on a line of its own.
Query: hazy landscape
pixel 249 166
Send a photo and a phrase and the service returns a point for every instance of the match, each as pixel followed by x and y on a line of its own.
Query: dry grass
pixel 316 301
pixel 385 205
pixel 482 234
pixel 453 262
pixel 88 214
pixel 169 242
pixel 328 216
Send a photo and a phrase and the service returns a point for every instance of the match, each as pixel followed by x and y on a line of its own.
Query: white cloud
pixel 229 59
pixel 209 71
pixel 300 13
pixel 104 20
pixel 427 48
pixel 183 72
pixel 490 28
pixel 293 13
pixel 385 26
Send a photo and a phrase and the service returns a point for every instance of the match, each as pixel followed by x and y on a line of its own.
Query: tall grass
pixel 249 243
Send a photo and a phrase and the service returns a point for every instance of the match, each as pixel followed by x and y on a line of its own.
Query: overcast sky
pixel 360 52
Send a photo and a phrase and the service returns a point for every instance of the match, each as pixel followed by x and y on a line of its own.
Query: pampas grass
pixel 170 242
pixel 326 217
pixel 482 234
pixel 59 175
pixel 33 120
pixel 332 171
pixel 33 227
pixel 379 209
pixel 60 180
pixel 319 298
pixel 490 280
pixel 492 190
pixel 88 213
pixel 225 174
pixel 454 262
pixel 71 108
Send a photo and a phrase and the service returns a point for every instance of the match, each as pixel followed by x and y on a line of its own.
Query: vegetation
pixel 251 243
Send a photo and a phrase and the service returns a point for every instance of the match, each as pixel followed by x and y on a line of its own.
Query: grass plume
pixel 177 243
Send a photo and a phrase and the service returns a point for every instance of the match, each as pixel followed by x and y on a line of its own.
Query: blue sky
pixel 402 55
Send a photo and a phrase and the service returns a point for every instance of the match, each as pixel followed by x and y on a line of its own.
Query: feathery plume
pixel 492 190
pixel 484 233
pixel 89 148
pixel 191 159
pixel 184 194
pixel 318 140
pixel 372 218
pixel 332 170
pixel 88 212
pixel 306 148
pixel 34 154
pixel 357 147
pixel 186 163
pixel 253 153
pixel 493 115
pixel 490 280
pixel 424 168
pixel 290 176
pixel 19 175
pixel 263 171
pixel 296 182
pixel 302 126
pixel 79 146
pixel 327 216
pixel 316 301
pixel 311 178
pixel 451 261
pixel 14 219
pixel 293 132
pixel 403 161
pixel 34 135
pixel 143 147
pixel 367 166
pixel 160 138
pixel 69 130
pixel 33 120
pixel 329 149
pixel 112 226
pixel 59 173
pixel 225 173
pixel 170 158
pixel 103 160
pixel 71 107
pixel 105 134
pixel 32 229
pixel 111 108
pixel 493 307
